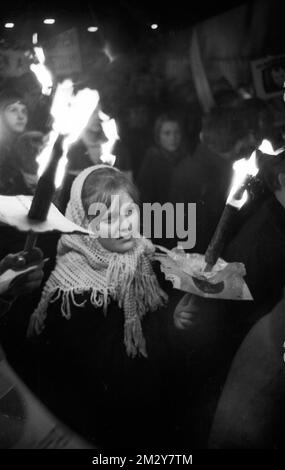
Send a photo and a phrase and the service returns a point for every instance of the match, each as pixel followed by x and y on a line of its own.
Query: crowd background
pixel 181 126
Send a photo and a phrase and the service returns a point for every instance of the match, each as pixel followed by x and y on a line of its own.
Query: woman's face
pixel 170 136
pixel 118 226
pixel 16 117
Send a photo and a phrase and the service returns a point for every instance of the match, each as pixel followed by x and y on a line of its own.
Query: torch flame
pixel 110 131
pixel 242 169
pixel 266 147
pixel 42 73
pixel 71 113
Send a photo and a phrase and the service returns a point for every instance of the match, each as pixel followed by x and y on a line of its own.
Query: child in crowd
pixel 156 174
pixel 100 371
pixel 157 168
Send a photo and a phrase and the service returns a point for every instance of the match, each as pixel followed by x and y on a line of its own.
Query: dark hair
pixel 227 98
pixel 102 183
pixel 8 96
pixel 270 169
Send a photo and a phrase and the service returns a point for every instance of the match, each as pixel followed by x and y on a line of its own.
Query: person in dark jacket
pixel 251 409
pixel 156 173
pixel 213 328
pixel 154 180
pixel 206 177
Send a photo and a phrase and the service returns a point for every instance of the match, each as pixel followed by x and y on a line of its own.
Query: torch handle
pixel 31 241
pixel 219 238
pixel 45 188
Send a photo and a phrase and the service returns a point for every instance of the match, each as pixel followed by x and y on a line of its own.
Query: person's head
pixel 168 132
pixel 29 86
pixel 138 116
pixel 110 201
pixel 13 113
pixel 225 131
pixel 227 98
pixel 93 137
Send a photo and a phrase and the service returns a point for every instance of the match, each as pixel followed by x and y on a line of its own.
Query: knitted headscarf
pixel 83 265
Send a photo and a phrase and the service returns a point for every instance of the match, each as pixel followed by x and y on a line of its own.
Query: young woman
pixel 18 148
pixel 102 348
pixel 13 121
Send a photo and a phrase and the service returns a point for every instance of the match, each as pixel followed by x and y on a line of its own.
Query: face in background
pixel 244 147
pixel 278 76
pixel 169 136
pixel 15 117
pixel 118 226
pixel 137 117
pixel 93 137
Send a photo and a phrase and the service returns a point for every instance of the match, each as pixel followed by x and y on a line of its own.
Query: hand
pixel 173 273
pixel 29 281
pixel 185 313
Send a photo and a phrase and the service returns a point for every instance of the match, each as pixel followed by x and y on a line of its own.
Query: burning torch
pixel 70 115
pixel 244 171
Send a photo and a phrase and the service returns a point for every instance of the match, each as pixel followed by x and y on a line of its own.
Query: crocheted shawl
pixel 83 265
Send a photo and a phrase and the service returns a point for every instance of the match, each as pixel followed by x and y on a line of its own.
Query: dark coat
pixel 203 179
pixel 11 179
pixel 88 380
pixel 155 177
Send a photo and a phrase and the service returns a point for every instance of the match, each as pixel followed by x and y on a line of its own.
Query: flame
pixel 71 113
pixel 266 147
pixel 43 157
pixel 111 133
pixel 242 169
pixel 42 73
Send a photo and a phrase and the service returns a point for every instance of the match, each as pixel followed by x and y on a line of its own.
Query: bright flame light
pixel 49 21
pixel 9 25
pixel 111 133
pixel 92 29
pixel 35 38
pixel 242 169
pixel 154 26
pixel 266 147
pixel 71 113
pixel 42 73
pixel 43 157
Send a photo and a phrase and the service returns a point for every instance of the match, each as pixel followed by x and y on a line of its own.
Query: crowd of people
pixel 98 334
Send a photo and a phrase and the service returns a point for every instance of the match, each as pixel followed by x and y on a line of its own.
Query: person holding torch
pixel 215 328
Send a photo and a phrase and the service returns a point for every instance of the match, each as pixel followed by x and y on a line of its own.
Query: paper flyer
pixel 186 272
